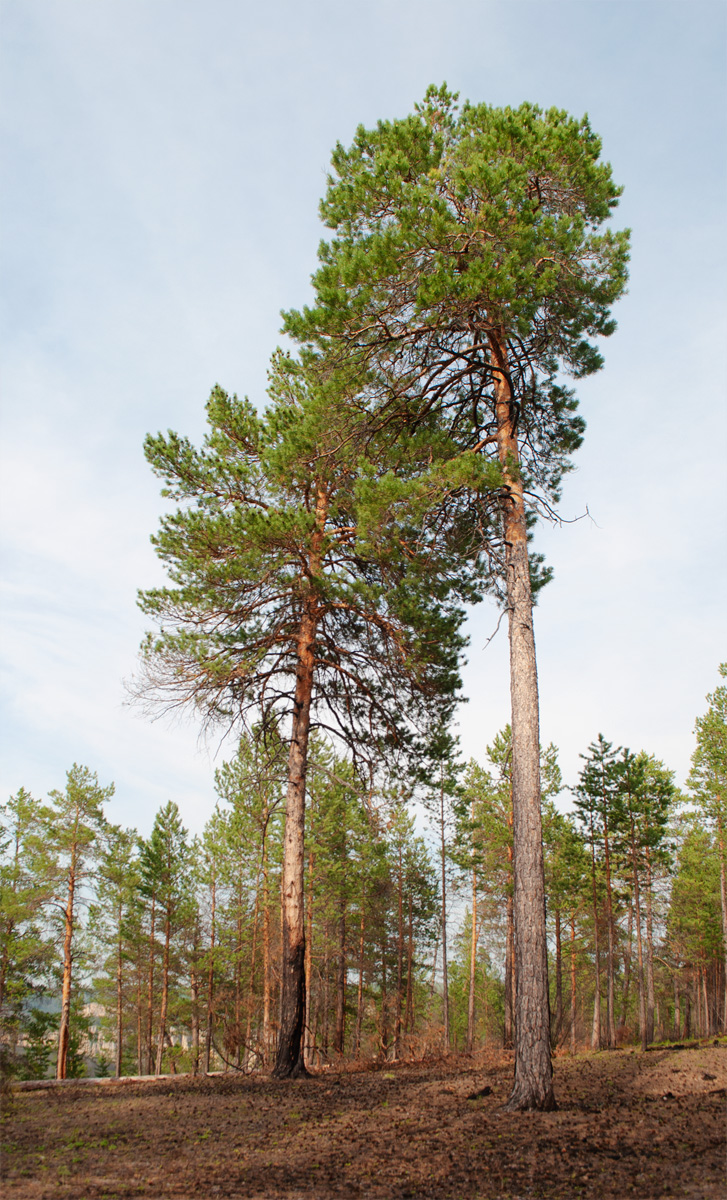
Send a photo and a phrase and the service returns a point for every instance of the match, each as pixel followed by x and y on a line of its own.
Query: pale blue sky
pixel 162 161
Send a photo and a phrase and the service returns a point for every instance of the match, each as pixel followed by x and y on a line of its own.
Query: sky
pixel 162 164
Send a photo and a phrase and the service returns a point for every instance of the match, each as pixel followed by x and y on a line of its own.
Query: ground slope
pixel 628 1125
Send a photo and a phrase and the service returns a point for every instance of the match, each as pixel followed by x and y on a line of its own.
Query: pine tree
pixel 281 609
pixel 466 269
pixel 75 822
pixel 597 805
pixel 164 864
pixel 708 783
pixel 26 952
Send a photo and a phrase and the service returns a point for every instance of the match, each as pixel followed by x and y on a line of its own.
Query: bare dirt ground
pixel 628 1125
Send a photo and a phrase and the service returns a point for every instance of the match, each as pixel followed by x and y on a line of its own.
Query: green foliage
pixel 267 528
pixel 39 1046
pixel 451 226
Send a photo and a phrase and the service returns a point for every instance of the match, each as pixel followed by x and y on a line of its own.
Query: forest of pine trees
pixel 130 956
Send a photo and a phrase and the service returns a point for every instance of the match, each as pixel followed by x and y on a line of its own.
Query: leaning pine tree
pixel 284 609
pixel 466 272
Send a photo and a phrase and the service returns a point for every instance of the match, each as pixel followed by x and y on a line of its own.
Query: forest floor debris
pixel 645 1126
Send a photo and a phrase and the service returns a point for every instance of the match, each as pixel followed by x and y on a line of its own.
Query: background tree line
pixel 169 948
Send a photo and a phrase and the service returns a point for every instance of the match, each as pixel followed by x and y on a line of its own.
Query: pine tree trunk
pixel 409 1017
pixel 573 1013
pixel 139 1018
pixel 723 900
pixel 558 981
pixel 445 971
pixel 399 960
pixel 628 952
pixel 150 996
pixel 194 991
pixel 610 961
pixel 292 1004
pixel 340 1038
pixel 119 999
pixel 266 943
pixel 596 1033
pixel 533 1083
pixel 509 1031
pixel 308 1031
pixel 650 995
pixel 211 979
pixel 253 965
pixel 290 1059
pixel 639 942
pixel 165 995
pixel 360 992
pixel 64 1030
pixel 384 1036
pixel 473 965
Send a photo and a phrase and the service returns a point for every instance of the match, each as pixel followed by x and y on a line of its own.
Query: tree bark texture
pixel 289 1061
pixel 290 1058
pixel 533 1083
pixel 64 1030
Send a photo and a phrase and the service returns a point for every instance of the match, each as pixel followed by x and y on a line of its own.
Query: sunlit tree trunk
pixel 473 961
pixel 119 993
pixel 360 991
pixel 308 1032
pixel 723 900
pixel 445 971
pixel 65 1023
pixel 211 977
pixel 558 980
pixel 399 958
pixel 650 994
pixel 165 993
pixel 573 1012
pixel 533 1083
pixel 150 994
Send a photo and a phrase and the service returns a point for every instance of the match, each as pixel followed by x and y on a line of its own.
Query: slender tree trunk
pixel 639 942
pixel 253 965
pixel 211 977
pixel 308 1031
pixel 596 1034
pixel 165 994
pixel 610 961
pixel 119 998
pixel 266 943
pixel 677 1013
pixel 359 996
pixel 558 980
pixel 573 1014
pixel 139 1016
pixel 445 970
pixel 340 1038
pixel 194 990
pixel 650 995
pixel 409 1017
pixel 628 953
pixel 326 987
pixel 473 962
pixel 399 959
pixel 723 899
pixel 509 970
pixel 384 1039
pixel 533 1082
pixel 64 1030
pixel 150 994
